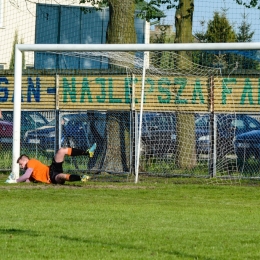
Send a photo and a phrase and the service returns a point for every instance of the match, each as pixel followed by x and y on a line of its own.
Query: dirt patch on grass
pixel 27 186
pixel 94 184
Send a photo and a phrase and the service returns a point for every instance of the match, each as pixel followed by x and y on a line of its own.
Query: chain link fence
pixel 233 151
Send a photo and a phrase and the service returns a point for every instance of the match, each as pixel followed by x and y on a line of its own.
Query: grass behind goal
pixel 155 220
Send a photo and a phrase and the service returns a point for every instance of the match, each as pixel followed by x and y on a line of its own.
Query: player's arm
pixel 26 176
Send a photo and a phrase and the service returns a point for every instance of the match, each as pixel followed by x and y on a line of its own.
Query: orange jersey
pixel 40 171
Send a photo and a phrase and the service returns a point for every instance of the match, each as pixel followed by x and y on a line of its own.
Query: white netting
pixel 180 105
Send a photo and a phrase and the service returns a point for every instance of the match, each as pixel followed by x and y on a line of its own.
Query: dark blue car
pixel 229 127
pixel 247 145
pixel 76 130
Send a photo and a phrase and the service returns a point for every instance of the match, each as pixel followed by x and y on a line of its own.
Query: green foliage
pixel 148 10
pixel 23 55
pixel 220 30
pixel 249 3
pixel 12 60
pixel 11 65
pixel 98 4
pixel 6 157
pixel 244 34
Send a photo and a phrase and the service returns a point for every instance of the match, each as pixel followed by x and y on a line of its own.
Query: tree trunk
pixel 118 143
pixel 186 145
pixel 121 29
pixel 183 24
pixel 186 139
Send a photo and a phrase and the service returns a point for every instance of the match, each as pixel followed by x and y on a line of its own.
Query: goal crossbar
pixel 140 47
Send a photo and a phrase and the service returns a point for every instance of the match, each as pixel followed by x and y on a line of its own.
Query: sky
pixel 204 10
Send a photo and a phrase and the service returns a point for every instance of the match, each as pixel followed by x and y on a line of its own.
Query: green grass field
pixel 154 219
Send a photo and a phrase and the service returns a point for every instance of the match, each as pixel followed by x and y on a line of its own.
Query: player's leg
pixel 62 177
pixel 58 177
pixel 56 171
pixel 59 156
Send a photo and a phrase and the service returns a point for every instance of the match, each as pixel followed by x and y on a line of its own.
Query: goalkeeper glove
pixel 10 181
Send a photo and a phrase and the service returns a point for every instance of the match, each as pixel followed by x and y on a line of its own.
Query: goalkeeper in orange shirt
pixel 38 172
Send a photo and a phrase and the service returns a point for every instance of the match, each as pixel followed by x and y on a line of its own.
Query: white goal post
pixel 98 47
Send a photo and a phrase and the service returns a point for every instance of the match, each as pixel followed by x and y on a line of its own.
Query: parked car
pixel 159 132
pixel 77 130
pixel 229 126
pixel 247 145
pixel 6 132
pixel 29 120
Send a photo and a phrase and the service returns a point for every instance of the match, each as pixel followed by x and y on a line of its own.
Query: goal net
pixel 151 109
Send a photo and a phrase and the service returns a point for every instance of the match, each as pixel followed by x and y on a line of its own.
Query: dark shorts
pixel 55 169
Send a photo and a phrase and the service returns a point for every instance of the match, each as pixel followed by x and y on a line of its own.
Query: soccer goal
pixel 160 110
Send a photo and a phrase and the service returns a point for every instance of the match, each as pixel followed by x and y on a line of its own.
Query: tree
pixel 11 65
pixel 123 12
pixel 244 34
pixel 252 3
pixel 16 41
pixel 186 154
pixel 219 29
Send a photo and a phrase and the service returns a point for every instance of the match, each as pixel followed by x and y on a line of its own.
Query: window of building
pixel 2 66
pixel 29 66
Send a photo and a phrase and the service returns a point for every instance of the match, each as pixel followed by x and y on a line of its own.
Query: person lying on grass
pixel 39 172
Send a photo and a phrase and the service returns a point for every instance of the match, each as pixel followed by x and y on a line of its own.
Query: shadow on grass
pixel 14 231
pixel 140 248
